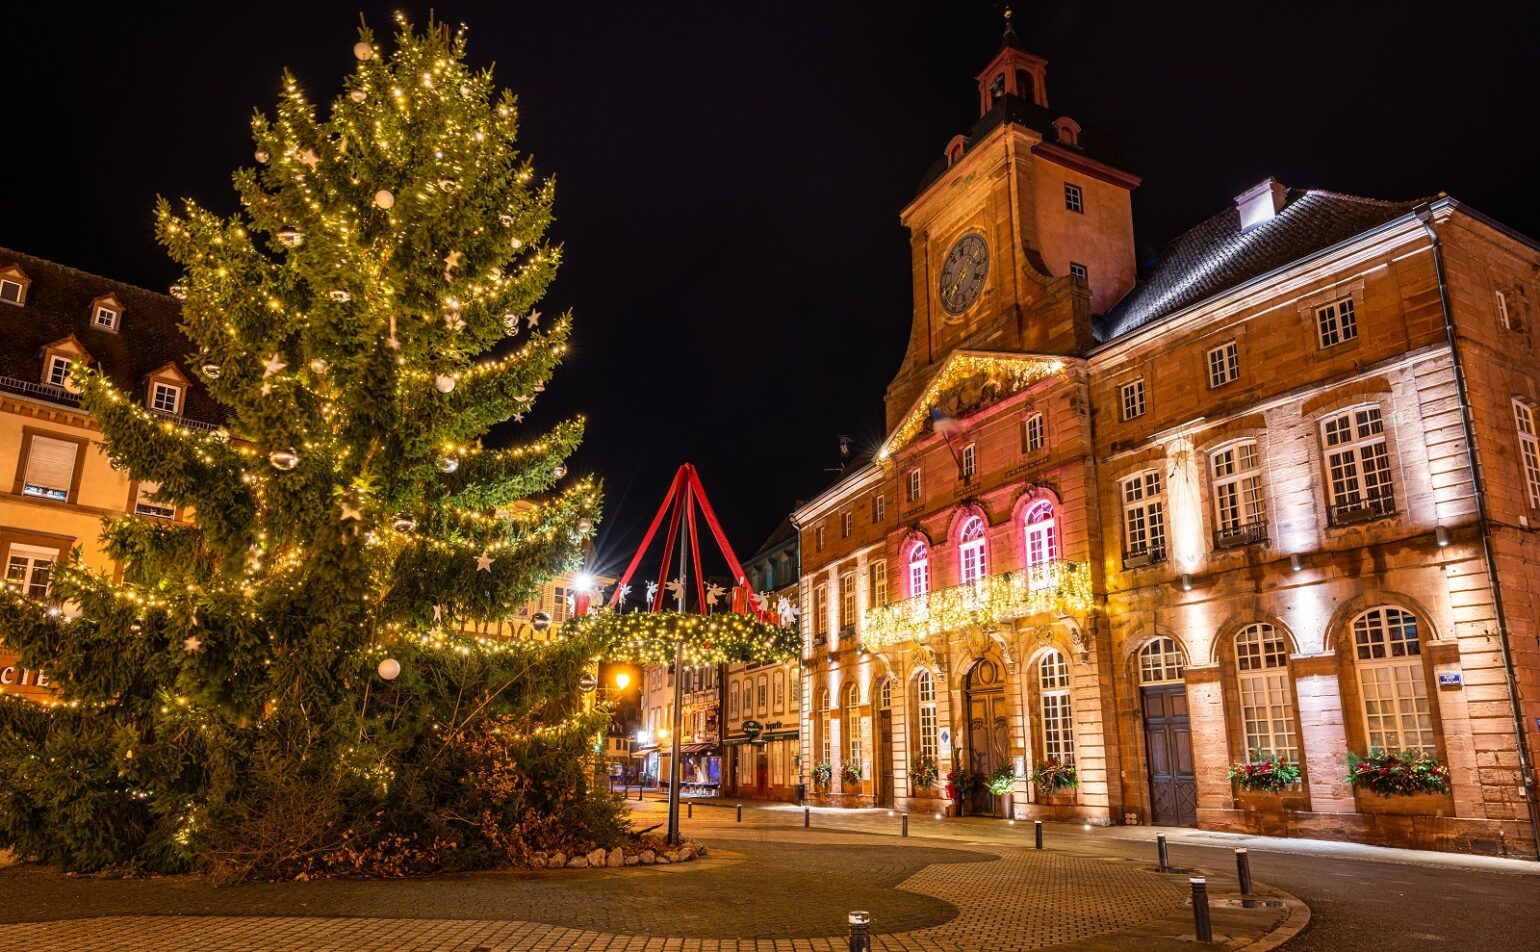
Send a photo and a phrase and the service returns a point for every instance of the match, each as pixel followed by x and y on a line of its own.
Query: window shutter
pixel 51 463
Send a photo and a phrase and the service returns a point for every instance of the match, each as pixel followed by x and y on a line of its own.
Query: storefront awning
pixel 697 748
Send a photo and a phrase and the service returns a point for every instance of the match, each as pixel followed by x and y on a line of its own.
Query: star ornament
pixel 273 365
pixel 533 318
pixel 191 644
pixel 451 262
pixel 350 511
pixel 308 159
pixel 484 562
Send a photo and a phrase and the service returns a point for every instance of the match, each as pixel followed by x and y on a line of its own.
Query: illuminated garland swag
pixel 649 637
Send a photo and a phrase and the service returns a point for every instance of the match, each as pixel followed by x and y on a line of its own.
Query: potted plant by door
pixel 1051 777
pixel 1000 783
pixel 959 783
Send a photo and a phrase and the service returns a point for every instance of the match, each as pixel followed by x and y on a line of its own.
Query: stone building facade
pixel 1276 499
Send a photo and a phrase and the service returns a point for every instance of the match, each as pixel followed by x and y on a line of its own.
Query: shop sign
pixel 752 728
pixel 1450 679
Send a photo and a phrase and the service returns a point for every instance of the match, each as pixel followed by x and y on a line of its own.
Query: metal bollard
pixel 904 829
pixel 639 789
pixel 860 931
pixel 1243 869
pixel 1203 929
pixel 689 811
pixel 740 813
pixel 807 817
pixel 1160 847
pixel 1037 832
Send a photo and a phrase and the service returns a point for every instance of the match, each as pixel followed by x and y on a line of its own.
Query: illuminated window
pixel 879 583
pixel 1132 399
pixel 780 691
pixel 559 605
pixel 1073 200
pixel 853 724
pixel 762 695
pixel 1390 675
pixel 144 505
pixel 1042 545
pixel 971 550
pixel 847 600
pixel 1529 449
pixel 1267 712
pixel 925 694
pixel 1144 517
pixel 1078 270
pixel 732 701
pixel 1160 661
pixel 29 570
pixel 165 398
pixel 13 286
pixel 826 728
pixel 821 609
pixel 1506 318
pixel 919 570
pixel 59 370
pixel 879 507
pixel 970 461
pixel 1239 507
pixel 818 538
pixel 885 695
pixel 1357 466
pixel 1336 322
pixel 1057 721
pixel 846 522
pixel 1032 433
pixel 1224 364
pixel 914 484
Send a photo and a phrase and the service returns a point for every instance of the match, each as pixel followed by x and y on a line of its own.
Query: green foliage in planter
pixel 1051 776
pixel 1397 775
pixel 823 774
pixel 926 771
pixel 851 772
pixel 1001 781
pixel 1267 774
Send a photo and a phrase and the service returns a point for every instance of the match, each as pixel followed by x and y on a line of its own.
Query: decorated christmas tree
pixel 277 686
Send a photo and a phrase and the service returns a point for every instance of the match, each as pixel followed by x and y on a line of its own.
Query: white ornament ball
pixel 559 471
pixel 511 323
pixel 290 237
pixel 448 464
pixel 319 365
pixel 283 459
pixel 404 522
pixel 363 51
pixel 384 198
pixel 262 156
pixel 211 371
pixel 341 296
pixel 389 669
pixel 585 525
pixel 359 95
pixel 444 382
pixel 179 291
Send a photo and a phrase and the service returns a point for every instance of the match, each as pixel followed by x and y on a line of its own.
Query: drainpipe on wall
pixel 1424 215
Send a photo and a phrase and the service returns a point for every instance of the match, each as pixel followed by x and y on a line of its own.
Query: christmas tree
pixel 277 688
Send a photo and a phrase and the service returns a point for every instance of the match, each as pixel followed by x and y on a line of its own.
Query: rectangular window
pixel 818 538
pixel 762 692
pixel 1058 729
pixel 1144 518
pixel 1240 515
pixel 1224 364
pixel 1336 322
pixel 1076 269
pixel 847 600
pixel 821 609
pixel 846 521
pixel 1504 315
pixel 1073 200
pixel 29 570
pixel 144 505
pixel 50 471
pixel 1396 711
pixel 1033 433
pixel 732 701
pixel 1357 466
pixel 879 507
pixel 1529 450
pixel 165 398
pixel 59 370
pixel 879 571
pixel 1267 714
pixel 970 461
pixel 780 691
pixel 106 318
pixel 559 605
pixel 11 292
pixel 1132 398
pixel 929 747
pixel 914 484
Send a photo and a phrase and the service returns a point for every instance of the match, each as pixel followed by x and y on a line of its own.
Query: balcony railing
pixel 44 390
pixel 1144 555
pixel 1250 533
pixel 1063 588
pixel 188 422
pixel 1360 510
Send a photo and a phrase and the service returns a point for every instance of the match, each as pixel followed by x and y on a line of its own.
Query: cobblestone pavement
pixel 768 886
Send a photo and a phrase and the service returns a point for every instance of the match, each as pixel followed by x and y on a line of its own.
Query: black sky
pixel 730 175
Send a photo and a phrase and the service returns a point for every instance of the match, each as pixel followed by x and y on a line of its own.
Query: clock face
pixel 963 273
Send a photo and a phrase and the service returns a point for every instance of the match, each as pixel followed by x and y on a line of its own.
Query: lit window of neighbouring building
pixel 166 398
pixel 1132 399
pixel 1336 322
pixel 1160 662
pixel 1032 433
pixel 59 370
pixel 821 609
pixel 29 570
pixel 826 729
pixel 914 484
pixel 847 600
pixel 50 468
pixel 1078 270
pixel 852 726
pixel 879 507
pixel 1357 465
pixel 970 460
pixel 145 505
pixel 1057 721
pixel 846 524
pixel 1267 710
pixel 1391 681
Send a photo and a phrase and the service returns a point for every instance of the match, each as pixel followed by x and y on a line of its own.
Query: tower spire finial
pixel 1010 28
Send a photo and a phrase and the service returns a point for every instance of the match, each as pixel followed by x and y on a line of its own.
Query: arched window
pixel 919 569
pixel 925 695
pixel 852 724
pixel 1160 661
pixel 1057 722
pixel 885 695
pixel 1390 676
pixel 762 693
pixel 970 550
pixel 826 726
pixel 1042 545
pixel 1267 710
pixel 732 701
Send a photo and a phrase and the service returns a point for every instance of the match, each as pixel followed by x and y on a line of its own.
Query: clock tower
pixel 1021 231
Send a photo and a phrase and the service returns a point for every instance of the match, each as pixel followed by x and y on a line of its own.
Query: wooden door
pixel 761 771
pixel 988 733
pixel 882 765
pixel 1168 743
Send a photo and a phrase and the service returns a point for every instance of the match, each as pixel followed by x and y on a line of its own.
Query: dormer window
pixel 13 285
pixel 1068 131
pixel 955 150
pixel 60 359
pixel 58 370
pixel 165 398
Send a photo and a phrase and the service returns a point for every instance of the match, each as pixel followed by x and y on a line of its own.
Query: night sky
pixel 730 175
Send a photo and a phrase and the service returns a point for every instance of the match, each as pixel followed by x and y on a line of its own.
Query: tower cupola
pixel 1013 71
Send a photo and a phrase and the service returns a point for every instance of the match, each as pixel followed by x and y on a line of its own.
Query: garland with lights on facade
pixel 269 690
pixel 1005 373
pixel 989 601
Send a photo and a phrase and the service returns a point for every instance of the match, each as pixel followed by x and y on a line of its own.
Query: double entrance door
pixel 988 733
pixel 1168 741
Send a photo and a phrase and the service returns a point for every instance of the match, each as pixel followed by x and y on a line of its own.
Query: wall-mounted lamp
pixel 1186 583
pixel 1441 536
pixel 1296 562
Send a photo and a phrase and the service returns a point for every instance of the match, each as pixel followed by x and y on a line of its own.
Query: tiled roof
pixel 58 304
pixel 1021 111
pixel 1217 256
pixel 782 533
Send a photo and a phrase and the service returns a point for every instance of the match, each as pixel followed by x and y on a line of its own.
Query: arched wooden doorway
pixel 988 730
pixel 1167 735
pixel 882 755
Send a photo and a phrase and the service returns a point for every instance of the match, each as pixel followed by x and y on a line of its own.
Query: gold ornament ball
pixel 262 156
pixel 384 198
pixel 359 95
pixel 389 669
pixel 211 371
pixel 290 237
pixel 404 522
pixel 363 51
pixel 444 382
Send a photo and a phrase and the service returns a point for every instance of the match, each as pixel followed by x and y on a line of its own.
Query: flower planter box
pixel 1419 804
pixel 1292 797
